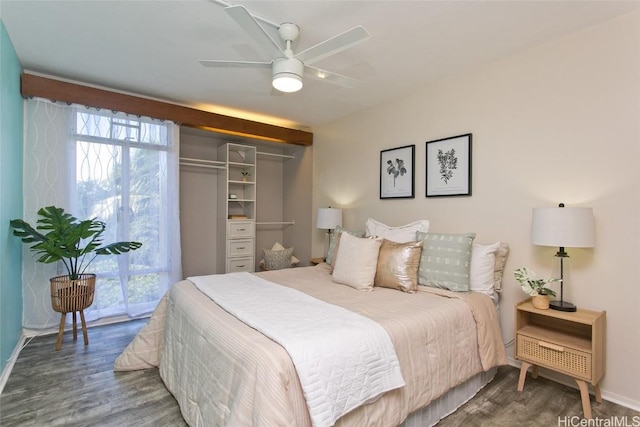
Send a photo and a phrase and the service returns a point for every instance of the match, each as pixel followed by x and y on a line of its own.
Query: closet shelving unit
pixel 237 207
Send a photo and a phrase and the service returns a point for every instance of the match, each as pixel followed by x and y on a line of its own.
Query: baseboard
pixel 100 322
pixel 11 362
pixel 566 380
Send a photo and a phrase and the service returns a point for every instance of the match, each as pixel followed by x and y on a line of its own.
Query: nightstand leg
pixel 523 374
pixel 597 393
pixel 584 395
pixel 534 372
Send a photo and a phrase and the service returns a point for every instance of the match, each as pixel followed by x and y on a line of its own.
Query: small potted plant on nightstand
pixel 536 288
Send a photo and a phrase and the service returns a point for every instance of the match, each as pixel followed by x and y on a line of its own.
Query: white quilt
pixel 342 359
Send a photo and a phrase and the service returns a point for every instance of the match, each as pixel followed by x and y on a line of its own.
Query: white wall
pixel 556 123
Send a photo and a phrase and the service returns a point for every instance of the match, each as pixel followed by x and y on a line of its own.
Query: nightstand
pixel 570 343
pixel 316 261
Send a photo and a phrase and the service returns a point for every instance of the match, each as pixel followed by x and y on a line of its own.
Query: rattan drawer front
pixel 564 359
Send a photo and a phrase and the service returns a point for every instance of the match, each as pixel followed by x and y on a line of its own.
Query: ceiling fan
pixel 288 68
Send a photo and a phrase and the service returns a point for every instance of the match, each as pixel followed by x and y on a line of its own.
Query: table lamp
pixel 563 227
pixel 328 218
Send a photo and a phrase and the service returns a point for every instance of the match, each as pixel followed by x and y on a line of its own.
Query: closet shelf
pixel 201 163
pixel 276 223
pixel 282 156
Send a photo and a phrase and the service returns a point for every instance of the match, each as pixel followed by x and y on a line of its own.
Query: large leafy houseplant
pixel 59 236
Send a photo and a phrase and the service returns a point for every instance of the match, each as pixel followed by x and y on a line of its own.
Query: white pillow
pixel 487 266
pixel 402 234
pixel 481 271
pixel 356 261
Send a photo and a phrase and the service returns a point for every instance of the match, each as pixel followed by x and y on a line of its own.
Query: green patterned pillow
pixel 334 238
pixel 445 260
pixel 277 260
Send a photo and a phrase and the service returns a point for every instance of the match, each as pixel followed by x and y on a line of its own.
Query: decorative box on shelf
pixel 572 343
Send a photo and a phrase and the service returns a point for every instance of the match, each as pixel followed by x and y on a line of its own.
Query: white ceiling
pixel 151 47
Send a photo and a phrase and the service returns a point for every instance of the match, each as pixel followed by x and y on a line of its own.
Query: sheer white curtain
pixel 121 169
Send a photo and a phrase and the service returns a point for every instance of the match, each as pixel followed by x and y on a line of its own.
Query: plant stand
pixel 70 296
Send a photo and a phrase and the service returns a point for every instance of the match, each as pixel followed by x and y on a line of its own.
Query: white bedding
pixel 343 360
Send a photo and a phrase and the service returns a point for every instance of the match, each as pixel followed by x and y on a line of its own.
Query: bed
pixel 224 372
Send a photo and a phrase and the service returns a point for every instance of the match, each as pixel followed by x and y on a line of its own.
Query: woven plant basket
pixel 540 301
pixel 68 295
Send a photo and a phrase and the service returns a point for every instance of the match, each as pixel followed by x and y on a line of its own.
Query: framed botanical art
pixel 397 173
pixel 448 166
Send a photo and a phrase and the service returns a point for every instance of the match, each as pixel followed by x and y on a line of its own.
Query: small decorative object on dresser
pixel 571 343
pixel 536 288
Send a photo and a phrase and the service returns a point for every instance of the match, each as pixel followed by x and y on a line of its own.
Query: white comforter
pixel 343 360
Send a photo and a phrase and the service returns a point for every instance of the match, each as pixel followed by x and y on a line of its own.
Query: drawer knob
pixel 551 346
pixel 240 266
pixel 240 247
pixel 241 229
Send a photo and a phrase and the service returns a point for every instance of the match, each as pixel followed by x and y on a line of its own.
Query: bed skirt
pixel 449 402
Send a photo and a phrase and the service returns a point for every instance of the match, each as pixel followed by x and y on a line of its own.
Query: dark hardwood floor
pixel 76 386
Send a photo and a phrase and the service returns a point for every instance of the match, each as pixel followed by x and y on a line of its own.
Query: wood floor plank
pixel 77 386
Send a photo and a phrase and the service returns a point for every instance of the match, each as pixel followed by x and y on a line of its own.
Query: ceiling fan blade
pixel 330 77
pixel 243 18
pixel 234 64
pixel 333 45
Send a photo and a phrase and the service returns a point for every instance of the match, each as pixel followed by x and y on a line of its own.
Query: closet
pixel 226 221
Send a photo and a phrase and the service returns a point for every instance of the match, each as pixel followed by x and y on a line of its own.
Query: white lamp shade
pixel 329 218
pixel 563 227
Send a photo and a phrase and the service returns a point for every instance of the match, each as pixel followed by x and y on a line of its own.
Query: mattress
pixel 223 372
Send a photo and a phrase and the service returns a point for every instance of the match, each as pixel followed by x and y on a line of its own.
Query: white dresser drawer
pixel 240 248
pixel 240 229
pixel 240 264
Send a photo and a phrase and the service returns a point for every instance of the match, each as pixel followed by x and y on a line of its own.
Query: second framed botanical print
pixel 448 166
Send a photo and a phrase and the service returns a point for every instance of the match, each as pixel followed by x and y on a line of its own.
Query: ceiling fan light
pixel 287 82
pixel 287 74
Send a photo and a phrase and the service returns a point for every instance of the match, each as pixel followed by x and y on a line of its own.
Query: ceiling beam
pixel 48 88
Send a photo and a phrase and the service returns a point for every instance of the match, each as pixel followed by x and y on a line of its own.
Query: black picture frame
pixel 448 166
pixel 397 172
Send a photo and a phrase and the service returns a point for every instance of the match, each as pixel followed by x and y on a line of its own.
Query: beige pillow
pixel 398 266
pixel 501 260
pixel 356 261
pixel 331 252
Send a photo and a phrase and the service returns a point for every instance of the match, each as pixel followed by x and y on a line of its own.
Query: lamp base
pixel 562 306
